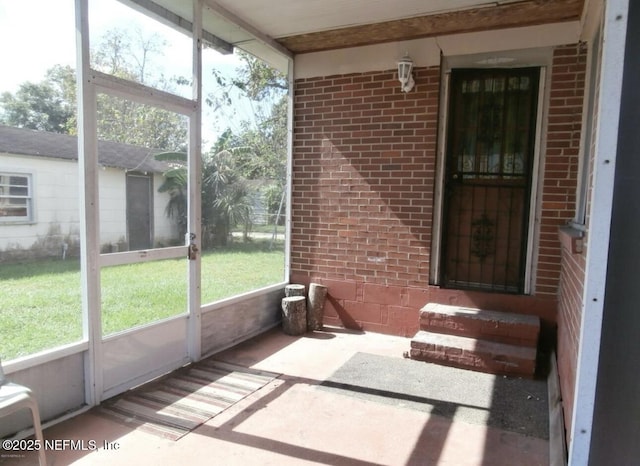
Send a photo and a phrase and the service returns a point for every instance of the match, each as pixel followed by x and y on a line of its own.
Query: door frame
pixel 114 363
pixel 542 58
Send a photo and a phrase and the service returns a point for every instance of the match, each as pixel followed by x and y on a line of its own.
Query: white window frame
pixel 5 198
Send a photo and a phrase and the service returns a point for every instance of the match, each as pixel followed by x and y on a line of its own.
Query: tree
pixel 129 54
pixel 225 197
pixel 265 139
pixel 129 122
pixel 45 106
pixel 51 104
pixel 258 80
pixel 268 143
pixel 225 192
pixel 176 185
pixel 266 158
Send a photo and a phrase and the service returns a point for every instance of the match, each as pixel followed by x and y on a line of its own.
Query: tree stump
pixel 294 315
pixel 294 290
pixel 315 309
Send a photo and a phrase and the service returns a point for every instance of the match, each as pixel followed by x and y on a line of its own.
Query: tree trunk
pixel 315 310
pixel 294 315
pixel 294 290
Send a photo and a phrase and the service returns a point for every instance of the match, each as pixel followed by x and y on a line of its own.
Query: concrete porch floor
pixel 293 422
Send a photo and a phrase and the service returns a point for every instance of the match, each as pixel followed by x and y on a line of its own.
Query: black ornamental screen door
pixel 489 159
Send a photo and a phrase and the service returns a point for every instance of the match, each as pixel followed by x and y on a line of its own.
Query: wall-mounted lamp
pixel 405 66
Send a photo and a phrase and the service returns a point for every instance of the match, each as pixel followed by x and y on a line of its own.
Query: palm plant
pixel 226 199
pixel 175 184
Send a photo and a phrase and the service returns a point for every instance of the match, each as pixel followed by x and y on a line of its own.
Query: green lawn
pixel 41 302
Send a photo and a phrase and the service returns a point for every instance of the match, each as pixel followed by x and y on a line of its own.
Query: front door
pixel 488 172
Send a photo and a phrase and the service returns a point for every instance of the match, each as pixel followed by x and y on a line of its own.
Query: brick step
pixel 474 354
pixel 500 327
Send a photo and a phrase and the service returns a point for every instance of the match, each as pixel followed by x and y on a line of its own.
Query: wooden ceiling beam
pixel 525 13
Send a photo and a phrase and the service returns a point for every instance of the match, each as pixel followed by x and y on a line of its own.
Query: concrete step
pixel 499 327
pixel 474 354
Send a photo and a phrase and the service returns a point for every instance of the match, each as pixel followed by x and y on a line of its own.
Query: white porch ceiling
pixel 275 30
pixel 293 17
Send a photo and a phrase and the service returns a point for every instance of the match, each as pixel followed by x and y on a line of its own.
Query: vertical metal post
pixel 89 212
pixel 289 181
pixel 194 333
pixel 611 71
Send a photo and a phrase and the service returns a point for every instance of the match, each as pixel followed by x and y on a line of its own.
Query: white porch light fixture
pixel 405 66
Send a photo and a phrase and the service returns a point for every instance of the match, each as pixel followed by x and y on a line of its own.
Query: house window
pixel 15 197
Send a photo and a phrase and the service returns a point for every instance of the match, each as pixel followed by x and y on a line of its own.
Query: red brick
pixel 500 327
pixel 495 358
pixel 563 134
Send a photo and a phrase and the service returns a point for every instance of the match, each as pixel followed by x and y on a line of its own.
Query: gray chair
pixel 14 397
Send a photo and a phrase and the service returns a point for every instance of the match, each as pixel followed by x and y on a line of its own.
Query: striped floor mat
pixel 173 406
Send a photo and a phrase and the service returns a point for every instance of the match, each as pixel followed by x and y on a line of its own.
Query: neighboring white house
pixel 39 196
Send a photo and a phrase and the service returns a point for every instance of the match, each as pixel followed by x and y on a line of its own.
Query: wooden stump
pixel 294 315
pixel 315 309
pixel 294 290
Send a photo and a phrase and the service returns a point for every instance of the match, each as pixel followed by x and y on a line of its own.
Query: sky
pixel 33 43
pixel 37 34
pixel 23 33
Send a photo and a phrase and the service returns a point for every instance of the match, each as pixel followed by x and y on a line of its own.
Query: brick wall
pixel 569 317
pixel 570 59
pixel 363 183
pixel 560 169
pixel 363 186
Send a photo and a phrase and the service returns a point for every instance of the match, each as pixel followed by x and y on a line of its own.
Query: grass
pixel 267 229
pixel 41 302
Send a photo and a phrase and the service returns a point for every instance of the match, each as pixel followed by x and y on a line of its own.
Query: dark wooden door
pixel 139 211
pixel 490 150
